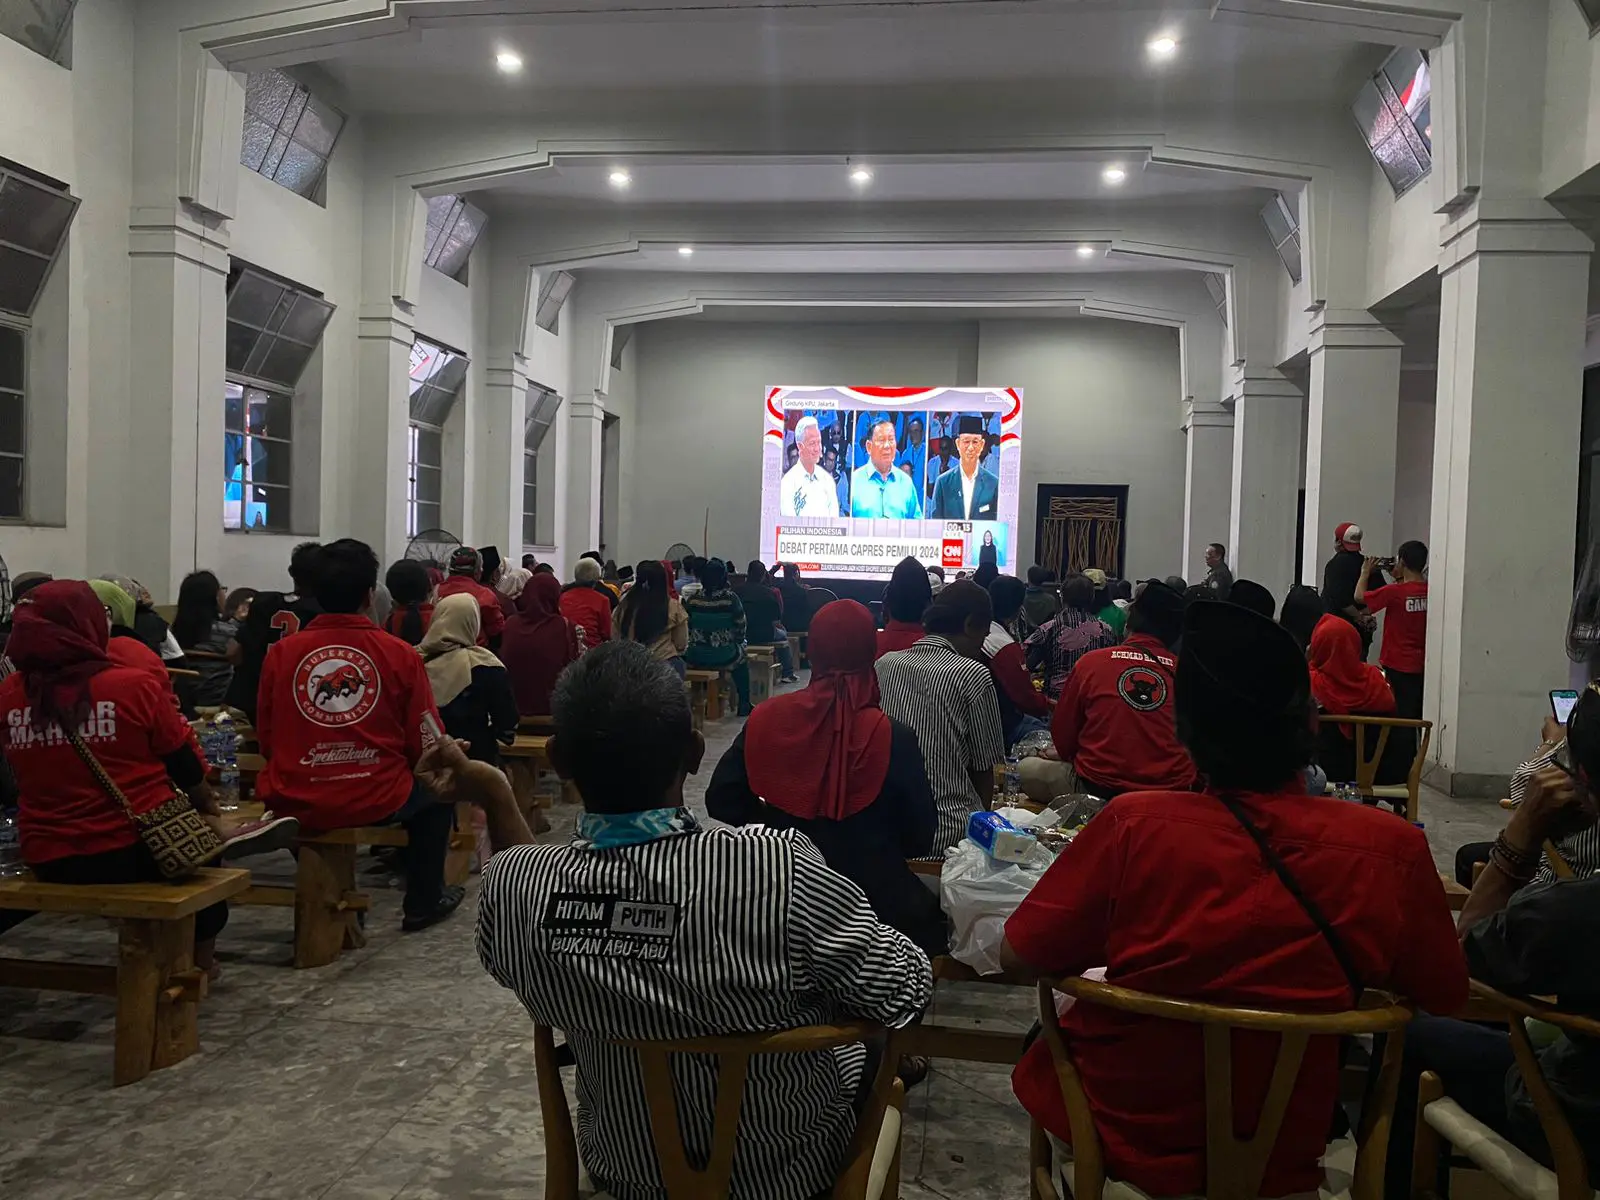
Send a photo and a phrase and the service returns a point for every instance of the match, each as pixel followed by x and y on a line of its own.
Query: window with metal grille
pixel 553 294
pixel 273 327
pixel 620 337
pixel 288 133
pixel 453 230
pixel 43 26
pixel 13 406
pixel 437 373
pixel 542 406
pixel 35 214
pixel 1282 219
pixel 1218 287
pixel 1394 111
pixel 1591 13
pixel 256 435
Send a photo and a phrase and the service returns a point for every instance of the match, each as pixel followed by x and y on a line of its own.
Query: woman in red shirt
pixel 71 830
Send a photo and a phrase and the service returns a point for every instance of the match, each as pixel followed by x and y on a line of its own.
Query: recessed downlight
pixel 1114 174
pixel 619 178
pixel 509 61
pixel 686 251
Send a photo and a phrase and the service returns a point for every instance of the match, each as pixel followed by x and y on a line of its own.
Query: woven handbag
pixel 177 837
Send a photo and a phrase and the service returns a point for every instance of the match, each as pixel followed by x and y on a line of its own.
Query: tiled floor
pixel 400 1071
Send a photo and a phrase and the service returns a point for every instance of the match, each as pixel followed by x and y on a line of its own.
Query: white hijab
pixel 450 647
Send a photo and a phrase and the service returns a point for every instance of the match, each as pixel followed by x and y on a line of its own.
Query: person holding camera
pixel 1405 627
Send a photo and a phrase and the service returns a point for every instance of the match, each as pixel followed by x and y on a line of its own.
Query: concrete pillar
pixel 1514 286
pixel 1350 435
pixel 151 528
pixel 585 419
pixel 383 419
pixel 1266 479
pixel 499 476
pixel 1208 484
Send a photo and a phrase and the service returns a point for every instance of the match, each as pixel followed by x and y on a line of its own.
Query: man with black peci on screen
pixel 967 492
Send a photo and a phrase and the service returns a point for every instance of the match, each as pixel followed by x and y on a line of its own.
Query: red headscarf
pixel 58 642
pixel 824 752
pixel 537 645
pixel 1340 681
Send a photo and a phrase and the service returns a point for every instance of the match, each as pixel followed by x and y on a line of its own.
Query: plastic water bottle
pixel 227 762
pixel 11 864
pixel 1013 777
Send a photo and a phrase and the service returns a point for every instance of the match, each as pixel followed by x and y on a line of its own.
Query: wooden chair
pixel 871 1167
pixel 1234 1165
pixel 763 664
pixel 156 984
pixel 1441 1119
pixel 1367 764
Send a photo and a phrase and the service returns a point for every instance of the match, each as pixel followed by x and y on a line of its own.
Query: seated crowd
pixel 1215 874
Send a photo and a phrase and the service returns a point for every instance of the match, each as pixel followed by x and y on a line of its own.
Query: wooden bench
pixel 525 758
pixel 705 695
pixel 797 649
pixel 763 663
pixel 156 984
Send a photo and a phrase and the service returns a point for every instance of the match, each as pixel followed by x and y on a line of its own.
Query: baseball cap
pixel 1348 535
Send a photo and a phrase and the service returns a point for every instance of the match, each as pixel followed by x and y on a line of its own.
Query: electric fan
pixel 433 547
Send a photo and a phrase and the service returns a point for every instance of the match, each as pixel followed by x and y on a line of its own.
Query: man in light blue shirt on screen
pixel 881 489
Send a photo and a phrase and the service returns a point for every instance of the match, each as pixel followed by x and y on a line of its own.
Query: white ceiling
pixel 1094 53
pixel 880 259
pixel 702 180
pixel 788 314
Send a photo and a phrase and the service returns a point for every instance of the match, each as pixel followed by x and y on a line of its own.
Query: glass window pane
pixel 10 422
pixel 441 216
pixel 427 516
pixel 32 216
pixel 21 277
pixel 1290 253
pixel 450 374
pixel 281 312
pixel 267 94
pixel 269 462
pixel 430 447
pixel 1423 120
pixel 529 530
pixel 241 340
pixel 307 321
pixel 10 487
pixel 254 299
pixel 530 498
pixel 11 357
pixel 284 362
pixel 1279 226
pixel 263 508
pixel 270 414
pixel 297 105
pixel 1373 115
pixel 233 407
pixel 300 169
pixel 269 165
pixel 319 127
pixel 428 484
pixel 1398 162
pixel 1407 73
pixel 253 146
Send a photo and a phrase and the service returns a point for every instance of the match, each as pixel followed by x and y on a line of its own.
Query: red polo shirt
pixel 899 635
pixel 492 618
pixel 62 810
pixel 1405 627
pixel 340 723
pixel 591 608
pixel 1114 721
pixel 1169 893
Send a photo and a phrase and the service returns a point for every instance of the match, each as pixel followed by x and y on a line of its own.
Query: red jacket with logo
pixel 491 616
pixel 1115 722
pixel 340 723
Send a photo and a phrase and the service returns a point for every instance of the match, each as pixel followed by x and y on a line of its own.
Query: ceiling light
pixel 620 178
pixel 1113 175
pixel 861 176
pixel 1085 251
pixel 686 251
pixel 1164 46
pixel 509 61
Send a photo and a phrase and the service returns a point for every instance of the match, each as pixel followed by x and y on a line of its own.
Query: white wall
pixel 1413 460
pixel 1403 235
pixel 1101 406
pixel 697 435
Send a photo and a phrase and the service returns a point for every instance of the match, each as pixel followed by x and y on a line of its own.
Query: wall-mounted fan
pixel 434 548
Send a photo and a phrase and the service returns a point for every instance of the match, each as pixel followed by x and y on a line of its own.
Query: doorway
pixel 1082 525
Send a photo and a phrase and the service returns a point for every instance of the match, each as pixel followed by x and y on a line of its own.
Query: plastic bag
pixel 1033 745
pixel 978 895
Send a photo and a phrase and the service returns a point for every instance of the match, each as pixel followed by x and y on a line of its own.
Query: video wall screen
pixel 856 478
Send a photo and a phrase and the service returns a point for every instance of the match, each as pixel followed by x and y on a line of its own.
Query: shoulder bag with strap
pixel 1324 927
pixel 177 837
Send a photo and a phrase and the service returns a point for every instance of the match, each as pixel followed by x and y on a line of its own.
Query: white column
pixel 1350 434
pixel 1208 484
pixel 499 476
pixel 1514 289
pixel 1266 479
pixel 585 419
pixel 383 418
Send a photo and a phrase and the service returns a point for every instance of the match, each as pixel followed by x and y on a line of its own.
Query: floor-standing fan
pixel 433 548
pixel 677 552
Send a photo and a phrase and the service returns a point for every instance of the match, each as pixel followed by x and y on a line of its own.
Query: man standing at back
pixel 1339 578
pixel 1405 628
pixel 648 927
pixel 941 689
pixel 1219 577
pixel 273 615
pixel 341 727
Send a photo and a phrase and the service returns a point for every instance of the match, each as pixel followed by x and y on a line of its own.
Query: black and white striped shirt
pixel 699 934
pixel 950 701
pixel 1581 850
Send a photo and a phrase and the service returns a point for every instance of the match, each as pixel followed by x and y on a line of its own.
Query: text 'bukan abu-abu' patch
pixel 595 926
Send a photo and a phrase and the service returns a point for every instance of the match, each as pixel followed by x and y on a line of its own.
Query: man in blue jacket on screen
pixel 881 489
pixel 967 492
